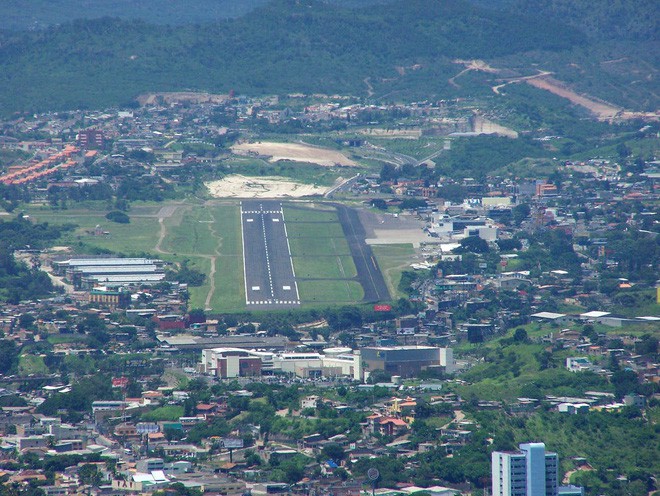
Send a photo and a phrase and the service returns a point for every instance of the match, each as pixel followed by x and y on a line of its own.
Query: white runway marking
pixel 271 247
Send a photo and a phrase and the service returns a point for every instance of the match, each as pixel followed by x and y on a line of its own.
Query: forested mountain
pixel 284 46
pixel 44 13
pixel 602 19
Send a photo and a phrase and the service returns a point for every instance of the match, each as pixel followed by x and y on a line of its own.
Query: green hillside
pixel 44 13
pixel 602 19
pixel 282 47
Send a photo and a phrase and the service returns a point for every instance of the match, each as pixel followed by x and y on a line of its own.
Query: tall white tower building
pixel 529 472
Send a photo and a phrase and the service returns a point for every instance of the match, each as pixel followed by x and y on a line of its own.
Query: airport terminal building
pixel 404 361
pixel 240 362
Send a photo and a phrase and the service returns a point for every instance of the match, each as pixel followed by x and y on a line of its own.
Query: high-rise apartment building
pixel 529 472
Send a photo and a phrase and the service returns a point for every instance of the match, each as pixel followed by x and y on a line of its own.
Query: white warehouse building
pixel 238 362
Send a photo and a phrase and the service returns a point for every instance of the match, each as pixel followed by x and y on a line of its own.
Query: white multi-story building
pixel 237 362
pixel 578 364
pixel 529 472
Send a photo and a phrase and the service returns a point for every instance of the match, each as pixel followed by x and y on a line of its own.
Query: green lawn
pixel 314 229
pixel 163 413
pixel 140 235
pixel 330 291
pixel 313 213
pixel 327 267
pixel 66 338
pixel 321 256
pixel 31 364
pixel 303 172
pixel 393 260
pixel 206 232
pixel 229 293
pixel 189 233
pixel 314 247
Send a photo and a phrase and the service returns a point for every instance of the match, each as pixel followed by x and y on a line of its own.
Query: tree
pixel 89 474
pixel 624 382
pixel 334 452
pixel 197 315
pixel 520 336
pixel 292 472
pixel 647 345
pixel 172 434
pixel 473 244
pixel 520 213
pixel 509 244
pixel 8 356
pixel 118 217
pixel 251 458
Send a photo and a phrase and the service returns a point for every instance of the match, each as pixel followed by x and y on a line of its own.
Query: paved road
pixel 369 273
pixel 268 267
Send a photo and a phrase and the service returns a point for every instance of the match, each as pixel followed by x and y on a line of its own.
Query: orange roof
pixel 395 421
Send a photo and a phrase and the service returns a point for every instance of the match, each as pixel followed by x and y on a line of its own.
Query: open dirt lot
pixel 602 110
pixel 294 151
pixel 237 186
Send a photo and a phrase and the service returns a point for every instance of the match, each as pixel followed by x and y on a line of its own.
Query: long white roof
pixel 84 262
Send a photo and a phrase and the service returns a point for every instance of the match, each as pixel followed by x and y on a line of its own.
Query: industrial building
pixel 408 361
pixel 87 273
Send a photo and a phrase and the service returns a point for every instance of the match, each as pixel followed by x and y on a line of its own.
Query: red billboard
pixel 382 308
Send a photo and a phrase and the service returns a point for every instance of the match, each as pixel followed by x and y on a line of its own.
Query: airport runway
pixel 369 274
pixel 270 280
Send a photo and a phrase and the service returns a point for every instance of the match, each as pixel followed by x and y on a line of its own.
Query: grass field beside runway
pixel 330 267
pixel 393 260
pixel 331 292
pixel 219 236
pixel 209 233
pixel 321 257
pixel 140 235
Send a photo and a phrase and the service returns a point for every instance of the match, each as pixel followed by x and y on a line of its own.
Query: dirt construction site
pixel 237 186
pixel 296 152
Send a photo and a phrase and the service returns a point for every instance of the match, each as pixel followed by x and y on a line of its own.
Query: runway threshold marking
pixel 268 299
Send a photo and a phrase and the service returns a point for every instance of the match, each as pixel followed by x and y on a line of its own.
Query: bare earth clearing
pixel 296 152
pixel 602 110
pixel 237 186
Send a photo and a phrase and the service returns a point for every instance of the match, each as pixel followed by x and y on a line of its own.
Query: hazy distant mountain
pixel 601 19
pixel 277 47
pixel 38 14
